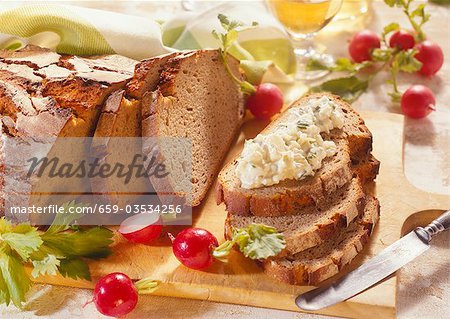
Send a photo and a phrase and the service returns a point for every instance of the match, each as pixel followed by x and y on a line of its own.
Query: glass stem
pixel 303 49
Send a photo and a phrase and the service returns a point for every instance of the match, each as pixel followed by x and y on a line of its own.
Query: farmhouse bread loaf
pixel 45 94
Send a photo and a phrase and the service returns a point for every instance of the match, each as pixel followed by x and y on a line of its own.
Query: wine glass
pixel 302 19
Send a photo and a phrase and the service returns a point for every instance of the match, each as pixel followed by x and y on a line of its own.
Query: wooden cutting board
pixel 240 281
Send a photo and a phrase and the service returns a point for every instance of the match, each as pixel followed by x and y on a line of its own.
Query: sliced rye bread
pixel 354 140
pixel 314 265
pixel 121 116
pixel 117 140
pixel 312 225
pixel 147 74
pixel 196 99
pixel 288 196
pixel 367 168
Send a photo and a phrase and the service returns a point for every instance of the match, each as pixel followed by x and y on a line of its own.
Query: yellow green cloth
pixel 265 51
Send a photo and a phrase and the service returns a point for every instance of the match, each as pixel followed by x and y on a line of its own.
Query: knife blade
pixel 377 268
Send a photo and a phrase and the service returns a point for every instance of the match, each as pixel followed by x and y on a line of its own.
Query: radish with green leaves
pixel 264 100
pixel 116 295
pixel 197 248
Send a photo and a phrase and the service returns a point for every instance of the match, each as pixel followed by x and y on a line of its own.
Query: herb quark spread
pixel 294 149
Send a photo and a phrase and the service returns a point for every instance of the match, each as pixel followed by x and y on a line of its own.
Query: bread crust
pixel 324 227
pixel 310 272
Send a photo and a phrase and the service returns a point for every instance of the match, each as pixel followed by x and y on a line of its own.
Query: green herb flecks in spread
pixel 294 150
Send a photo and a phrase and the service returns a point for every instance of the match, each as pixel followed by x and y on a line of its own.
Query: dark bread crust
pixel 287 196
pixel 147 74
pixel 366 168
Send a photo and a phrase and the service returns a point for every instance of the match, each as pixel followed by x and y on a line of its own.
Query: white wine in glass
pixel 302 19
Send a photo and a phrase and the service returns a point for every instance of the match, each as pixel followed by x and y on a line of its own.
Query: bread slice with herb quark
pixel 196 100
pixel 314 265
pixel 353 140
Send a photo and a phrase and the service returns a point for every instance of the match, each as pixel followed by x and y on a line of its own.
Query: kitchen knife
pixel 379 267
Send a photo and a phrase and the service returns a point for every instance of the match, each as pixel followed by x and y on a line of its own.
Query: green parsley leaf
pixel 419 11
pixel 91 243
pixel 349 88
pixel 61 248
pixel 316 65
pixel 14 282
pixel 23 244
pixel 228 24
pixel 382 55
pixel 5 225
pixel 391 27
pixel 74 268
pixel 344 64
pixel 340 65
pixel 47 266
pixel 444 2
pixel 259 241
pixel 407 62
pixel 393 3
pixel 228 40
pixel 63 220
pixel 23 238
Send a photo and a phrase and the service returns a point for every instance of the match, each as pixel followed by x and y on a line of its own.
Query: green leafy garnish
pixel 47 266
pixel 444 2
pixel 349 88
pixel 352 86
pixel 61 248
pixel 340 65
pixel 227 40
pixel 257 241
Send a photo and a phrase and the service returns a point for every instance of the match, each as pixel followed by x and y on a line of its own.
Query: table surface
pixel 424 284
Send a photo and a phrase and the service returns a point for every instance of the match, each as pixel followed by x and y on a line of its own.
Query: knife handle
pixel 435 227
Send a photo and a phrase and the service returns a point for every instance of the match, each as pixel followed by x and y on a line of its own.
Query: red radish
pixel 362 45
pixel 266 101
pixel 402 40
pixel 193 247
pixel 115 295
pixel 431 56
pixel 141 228
pixel 418 101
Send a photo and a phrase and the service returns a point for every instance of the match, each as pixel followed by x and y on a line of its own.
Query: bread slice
pixel 121 117
pixel 287 196
pixel 146 75
pixel 367 168
pixel 312 266
pixel 312 225
pixel 196 99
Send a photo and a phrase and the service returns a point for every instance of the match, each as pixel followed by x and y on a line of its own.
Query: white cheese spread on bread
pixel 294 149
